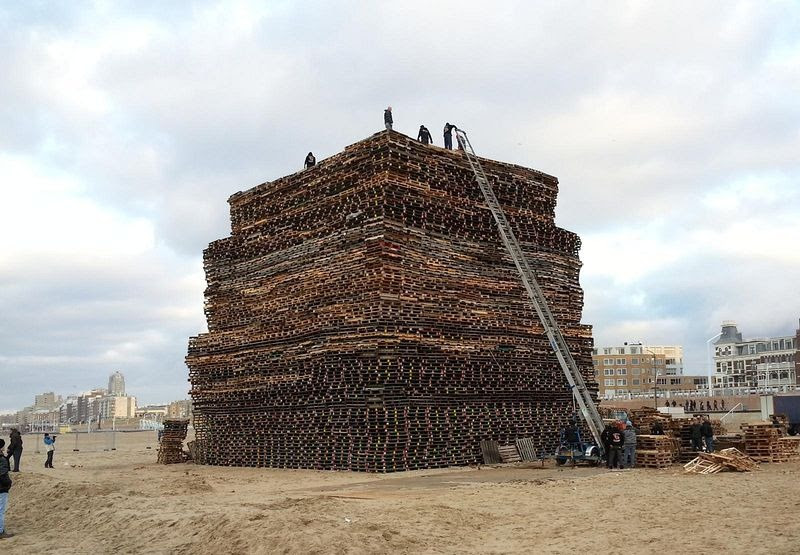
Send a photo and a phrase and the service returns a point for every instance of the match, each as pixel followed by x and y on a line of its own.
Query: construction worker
pixel 616 440
pixel 387 118
pixel 708 434
pixel 629 445
pixel 424 136
pixel 657 429
pixel 605 437
pixel 310 161
pixel 448 135
pixel 571 436
pixel 696 429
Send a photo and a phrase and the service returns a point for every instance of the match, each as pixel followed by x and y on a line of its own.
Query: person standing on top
pixel 15 448
pixel 448 135
pixel 310 161
pixel 387 118
pixel 50 447
pixel 424 136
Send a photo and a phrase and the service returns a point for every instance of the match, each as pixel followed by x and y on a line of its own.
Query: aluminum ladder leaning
pixel 576 382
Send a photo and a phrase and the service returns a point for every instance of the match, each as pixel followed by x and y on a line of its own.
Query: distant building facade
pixel 180 409
pixel 116 384
pixel 117 406
pixel 761 363
pixel 633 370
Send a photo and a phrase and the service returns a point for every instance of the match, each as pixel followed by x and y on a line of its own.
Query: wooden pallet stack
pixel 789 448
pixel 762 442
pixel 644 417
pixel 170 447
pixel 655 451
pixel 364 315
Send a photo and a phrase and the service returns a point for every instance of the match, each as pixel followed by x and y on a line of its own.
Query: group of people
pixel 702 434
pixel 693 405
pixel 619 442
pixel 424 136
pixel 14 451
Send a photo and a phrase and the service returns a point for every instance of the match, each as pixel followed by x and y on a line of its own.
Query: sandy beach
pixel 121 501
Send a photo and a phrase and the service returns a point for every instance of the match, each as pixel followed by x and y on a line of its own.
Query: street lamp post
pixel 710 364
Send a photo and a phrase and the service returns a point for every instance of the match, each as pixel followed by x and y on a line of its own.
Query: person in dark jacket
pixel 387 118
pixel 657 429
pixel 616 441
pixel 605 437
pixel 424 136
pixel 15 448
pixel 722 403
pixel 708 434
pixel 310 161
pixel 448 135
pixel 697 434
pixel 5 486
pixel 715 405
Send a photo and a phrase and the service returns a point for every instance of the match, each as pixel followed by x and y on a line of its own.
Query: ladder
pixel 576 382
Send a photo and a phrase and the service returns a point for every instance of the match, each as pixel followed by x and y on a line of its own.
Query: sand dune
pixel 122 502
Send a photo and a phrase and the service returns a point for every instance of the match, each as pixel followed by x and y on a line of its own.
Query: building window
pixel 621 362
pixel 622 372
pixel 608 372
pixel 661 381
pixel 674 381
pixel 635 381
pixel 635 361
pixel 620 350
pixel 622 381
pixel 607 351
pixel 609 383
pixel 608 362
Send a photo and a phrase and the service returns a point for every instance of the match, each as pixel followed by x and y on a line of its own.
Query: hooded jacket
pixel 5 479
pixel 16 440
pixel 630 436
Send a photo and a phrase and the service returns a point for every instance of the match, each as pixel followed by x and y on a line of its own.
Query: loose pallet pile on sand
pixel 363 315
pixel 730 459
pixel 170 447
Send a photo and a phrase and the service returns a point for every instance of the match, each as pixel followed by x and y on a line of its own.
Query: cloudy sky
pixel 674 128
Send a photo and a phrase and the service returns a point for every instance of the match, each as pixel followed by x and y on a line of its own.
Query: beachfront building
pixel 635 370
pixel 766 363
pixel 117 406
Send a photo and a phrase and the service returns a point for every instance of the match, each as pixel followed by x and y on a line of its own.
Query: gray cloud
pixel 649 113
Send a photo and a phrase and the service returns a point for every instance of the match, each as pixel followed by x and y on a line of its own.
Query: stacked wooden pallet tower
pixel 170 448
pixel 363 315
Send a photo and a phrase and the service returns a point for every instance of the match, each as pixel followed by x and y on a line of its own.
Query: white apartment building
pixel 754 363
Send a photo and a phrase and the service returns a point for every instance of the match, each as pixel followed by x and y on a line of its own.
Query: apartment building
pixel 640 370
pixel 760 363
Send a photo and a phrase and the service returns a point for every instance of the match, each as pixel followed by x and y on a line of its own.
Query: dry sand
pixel 123 502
